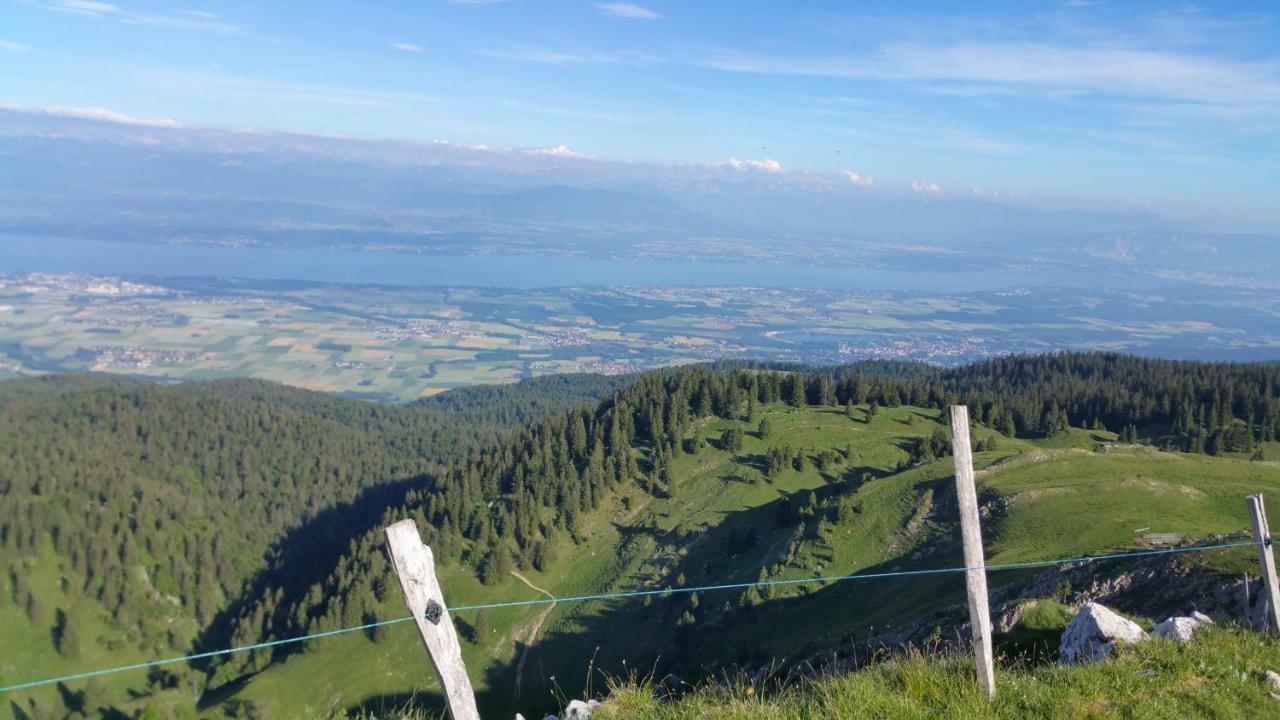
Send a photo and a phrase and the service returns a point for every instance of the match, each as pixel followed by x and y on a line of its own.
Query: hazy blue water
pixel 27 254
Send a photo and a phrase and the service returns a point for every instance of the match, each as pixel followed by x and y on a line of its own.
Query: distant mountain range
pixel 76 177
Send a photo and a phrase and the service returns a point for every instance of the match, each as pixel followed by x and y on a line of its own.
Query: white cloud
pixel 627 10
pixel 766 165
pixel 555 57
pixel 95 113
pixel 187 22
pixel 570 112
pixel 462 146
pixel 220 86
pixel 1021 66
pixel 407 47
pixel 87 7
pixel 925 186
pixel 9 45
pixel 858 179
pixel 560 151
pixel 1108 68
pixel 196 20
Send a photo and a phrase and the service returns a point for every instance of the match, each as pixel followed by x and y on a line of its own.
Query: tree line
pixel 510 506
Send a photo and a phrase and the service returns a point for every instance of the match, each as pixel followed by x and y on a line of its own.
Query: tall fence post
pixel 975 576
pixel 1262 536
pixel 415 567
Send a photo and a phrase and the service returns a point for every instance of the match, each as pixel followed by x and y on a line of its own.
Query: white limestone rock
pixel 1182 629
pixel 578 710
pixel 1094 632
pixel 1273 679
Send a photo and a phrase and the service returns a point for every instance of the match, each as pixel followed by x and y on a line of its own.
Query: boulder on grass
pixel 1181 629
pixel 1094 632
pixel 579 709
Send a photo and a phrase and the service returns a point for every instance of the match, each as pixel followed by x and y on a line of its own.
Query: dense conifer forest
pixel 197 484
pixel 512 505
pixel 255 511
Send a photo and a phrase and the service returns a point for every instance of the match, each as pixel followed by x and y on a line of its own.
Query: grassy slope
pixel 29 646
pixel 1220 675
pixel 1066 501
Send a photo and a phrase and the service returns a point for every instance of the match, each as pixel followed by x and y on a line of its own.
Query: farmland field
pixel 400 343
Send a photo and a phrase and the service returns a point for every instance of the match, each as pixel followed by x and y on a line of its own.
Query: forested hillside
pixel 522 504
pixel 211 514
pixel 134 517
pixel 1196 407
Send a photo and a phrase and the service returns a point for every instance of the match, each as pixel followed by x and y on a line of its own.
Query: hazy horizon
pixel 1162 114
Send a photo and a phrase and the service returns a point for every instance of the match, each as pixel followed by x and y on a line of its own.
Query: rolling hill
pixel 133 516
pixel 688 477
pixel 726 522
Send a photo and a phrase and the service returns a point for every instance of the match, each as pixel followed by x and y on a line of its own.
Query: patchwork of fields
pixel 399 343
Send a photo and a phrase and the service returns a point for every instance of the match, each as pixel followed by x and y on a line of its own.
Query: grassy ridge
pixel 1063 500
pixel 1220 675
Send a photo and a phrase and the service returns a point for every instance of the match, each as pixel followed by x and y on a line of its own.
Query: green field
pixel 1222 674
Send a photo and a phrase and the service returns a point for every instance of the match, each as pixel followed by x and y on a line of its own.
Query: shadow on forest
pixel 389 704
pixel 305 555
pixel 646 635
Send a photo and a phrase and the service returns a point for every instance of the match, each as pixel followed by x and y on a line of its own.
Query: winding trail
pixel 534 627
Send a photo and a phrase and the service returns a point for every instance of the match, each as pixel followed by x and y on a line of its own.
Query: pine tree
pixel 67 635
pixel 731 439
pixel 765 429
pixel 480 625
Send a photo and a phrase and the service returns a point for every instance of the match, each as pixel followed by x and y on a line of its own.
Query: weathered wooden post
pixel 975 576
pixel 1262 536
pixel 415 567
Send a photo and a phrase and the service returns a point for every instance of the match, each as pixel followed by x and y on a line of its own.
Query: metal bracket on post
pixel 415 567
pixel 975 563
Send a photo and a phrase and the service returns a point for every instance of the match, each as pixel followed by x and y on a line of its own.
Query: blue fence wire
pixel 631 594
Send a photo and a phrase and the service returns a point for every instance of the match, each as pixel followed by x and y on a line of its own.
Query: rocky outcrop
pixel 1094 632
pixel 1181 629
pixel 1155 587
pixel 575 710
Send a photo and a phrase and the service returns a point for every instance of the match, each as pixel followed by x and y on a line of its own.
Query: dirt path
pixel 534 627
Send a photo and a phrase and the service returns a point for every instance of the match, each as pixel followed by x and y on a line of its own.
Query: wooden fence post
pixel 975 576
pixel 415 567
pixel 1262 536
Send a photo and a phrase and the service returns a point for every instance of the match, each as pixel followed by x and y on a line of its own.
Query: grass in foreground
pixel 1220 675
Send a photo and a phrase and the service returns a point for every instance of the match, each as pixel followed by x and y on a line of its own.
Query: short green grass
pixel 29 650
pixel 1219 675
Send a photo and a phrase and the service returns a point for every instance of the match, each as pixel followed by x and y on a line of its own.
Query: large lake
pixel 28 254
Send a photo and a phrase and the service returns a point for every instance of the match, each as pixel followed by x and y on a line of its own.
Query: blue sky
pixel 1169 106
